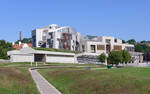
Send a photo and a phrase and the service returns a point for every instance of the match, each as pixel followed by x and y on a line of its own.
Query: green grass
pixel 74 65
pixel 16 80
pixel 14 64
pixel 56 50
pixel 113 81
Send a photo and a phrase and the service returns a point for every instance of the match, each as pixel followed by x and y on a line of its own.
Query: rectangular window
pixel 108 41
pixel 117 47
pixel 100 47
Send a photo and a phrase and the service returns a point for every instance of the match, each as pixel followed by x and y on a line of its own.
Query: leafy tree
pixel 3 53
pixel 123 41
pixel 142 48
pixel 25 40
pixel 131 41
pixel 4 47
pixel 115 57
pixel 126 57
pixel 5 44
pixel 102 57
pixel 143 41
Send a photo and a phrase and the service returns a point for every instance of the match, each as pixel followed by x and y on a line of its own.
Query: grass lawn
pixel 55 50
pixel 114 81
pixel 16 80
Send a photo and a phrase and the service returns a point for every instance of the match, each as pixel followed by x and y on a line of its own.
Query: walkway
pixel 42 84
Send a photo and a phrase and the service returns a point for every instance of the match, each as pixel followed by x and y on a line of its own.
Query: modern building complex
pixel 56 37
pixel 67 38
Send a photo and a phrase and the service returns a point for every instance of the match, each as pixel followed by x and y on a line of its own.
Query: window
pixel 51 35
pixel 108 41
pixel 93 49
pixel 118 47
pixel 100 47
pixel 130 49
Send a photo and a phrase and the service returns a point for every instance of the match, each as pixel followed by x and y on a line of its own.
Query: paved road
pixel 42 84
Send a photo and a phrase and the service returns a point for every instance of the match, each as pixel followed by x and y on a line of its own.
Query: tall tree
pixel 131 41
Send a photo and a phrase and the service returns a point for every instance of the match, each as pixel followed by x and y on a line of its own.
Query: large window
pixel 100 47
pixel 130 49
pixel 117 47
pixel 93 50
pixel 108 41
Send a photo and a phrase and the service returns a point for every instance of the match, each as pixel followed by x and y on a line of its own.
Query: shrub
pixel 102 58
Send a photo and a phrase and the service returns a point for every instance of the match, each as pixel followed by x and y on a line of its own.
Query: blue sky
pixel 124 19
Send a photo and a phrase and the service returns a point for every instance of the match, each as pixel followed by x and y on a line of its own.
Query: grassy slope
pixel 56 50
pixel 114 81
pixel 16 81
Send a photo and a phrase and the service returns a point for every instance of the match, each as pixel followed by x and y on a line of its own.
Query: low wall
pixel 89 59
pixel 4 61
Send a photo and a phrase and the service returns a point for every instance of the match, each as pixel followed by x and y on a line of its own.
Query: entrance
pixel 39 58
pixel 108 48
pixel 93 49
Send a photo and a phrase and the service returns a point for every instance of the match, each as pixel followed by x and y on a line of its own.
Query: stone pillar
pixel 75 59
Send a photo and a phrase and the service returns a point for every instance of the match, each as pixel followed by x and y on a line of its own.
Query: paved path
pixel 42 84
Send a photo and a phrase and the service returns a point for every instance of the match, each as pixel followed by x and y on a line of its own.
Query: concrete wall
pixel 22 58
pixel 60 59
pixel 88 49
pixel 4 61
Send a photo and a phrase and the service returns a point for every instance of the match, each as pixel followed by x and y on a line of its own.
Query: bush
pixel 126 57
pixel 115 57
pixel 102 58
pixel 3 53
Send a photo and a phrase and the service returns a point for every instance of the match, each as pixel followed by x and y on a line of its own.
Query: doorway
pixel 39 58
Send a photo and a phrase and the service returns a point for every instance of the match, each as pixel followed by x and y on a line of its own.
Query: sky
pixel 124 19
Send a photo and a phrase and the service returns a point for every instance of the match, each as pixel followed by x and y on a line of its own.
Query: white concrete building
pixel 94 46
pixel 105 44
pixel 56 37
pixel 31 55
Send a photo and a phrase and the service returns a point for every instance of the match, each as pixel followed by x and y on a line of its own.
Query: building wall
pixel 95 43
pixel 60 59
pixel 22 58
pixel 107 44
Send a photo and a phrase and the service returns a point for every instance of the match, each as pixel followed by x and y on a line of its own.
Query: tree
pixel 142 48
pixel 131 41
pixel 143 41
pixel 102 58
pixel 4 47
pixel 3 53
pixel 126 57
pixel 5 44
pixel 123 41
pixel 115 57
pixel 25 40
